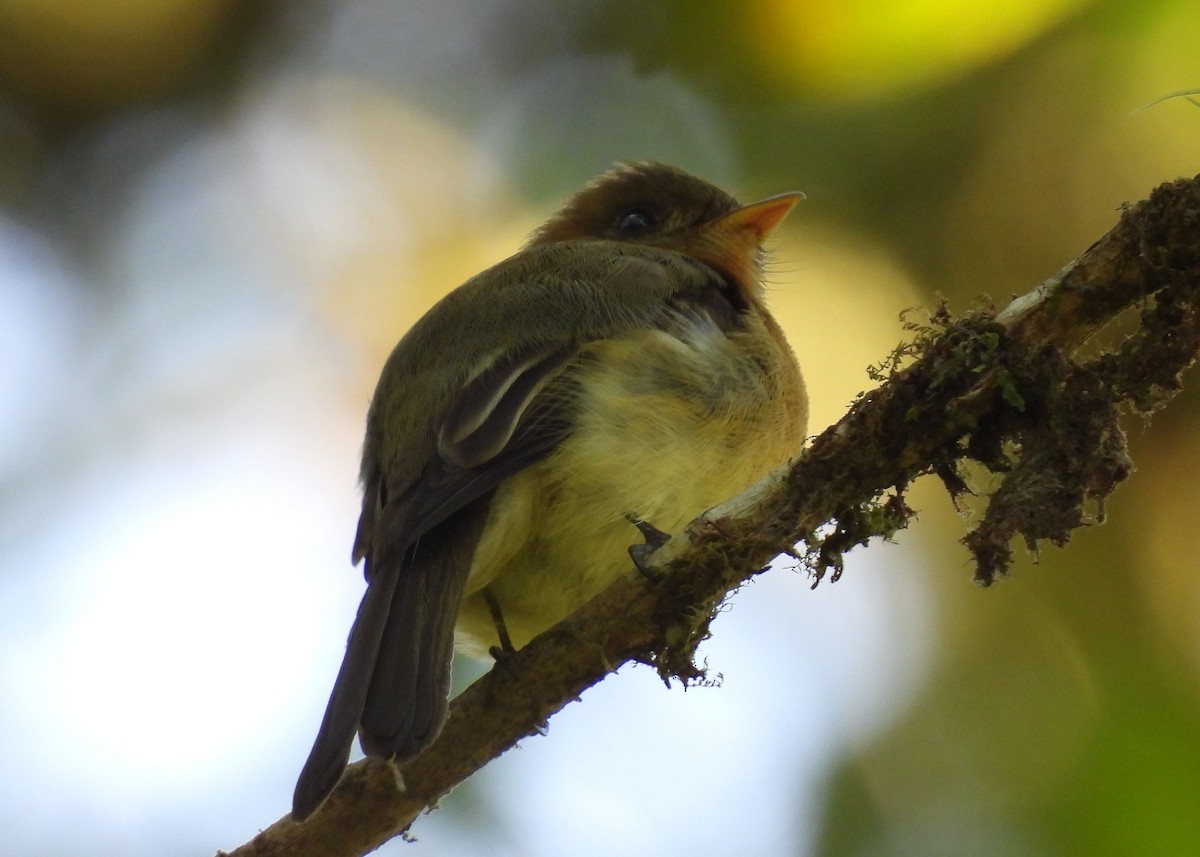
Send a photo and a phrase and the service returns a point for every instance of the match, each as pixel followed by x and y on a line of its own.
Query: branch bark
pixel 1008 390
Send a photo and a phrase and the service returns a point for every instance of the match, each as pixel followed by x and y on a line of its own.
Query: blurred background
pixel 217 217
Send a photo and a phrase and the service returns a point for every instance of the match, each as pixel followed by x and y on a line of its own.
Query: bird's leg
pixel 503 653
pixel 654 539
pixel 506 649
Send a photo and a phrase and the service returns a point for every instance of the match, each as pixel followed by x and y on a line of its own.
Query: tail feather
pixel 407 701
pixel 394 683
pixel 331 749
pixel 408 698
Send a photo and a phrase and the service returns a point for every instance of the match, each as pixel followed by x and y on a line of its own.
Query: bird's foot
pixel 640 554
pixel 502 653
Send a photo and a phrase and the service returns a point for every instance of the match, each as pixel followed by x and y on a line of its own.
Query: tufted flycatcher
pixel 623 363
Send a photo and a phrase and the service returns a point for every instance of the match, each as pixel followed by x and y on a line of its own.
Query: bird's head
pixel 655 205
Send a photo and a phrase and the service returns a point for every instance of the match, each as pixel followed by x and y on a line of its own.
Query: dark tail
pixel 394 683
pixel 331 750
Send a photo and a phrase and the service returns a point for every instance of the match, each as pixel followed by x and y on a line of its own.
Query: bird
pixel 622 365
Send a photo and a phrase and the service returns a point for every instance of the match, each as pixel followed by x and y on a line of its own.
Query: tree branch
pixel 1007 390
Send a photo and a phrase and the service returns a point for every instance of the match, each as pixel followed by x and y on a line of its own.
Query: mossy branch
pixel 1006 389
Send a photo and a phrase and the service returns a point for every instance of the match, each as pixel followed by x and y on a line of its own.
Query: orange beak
pixel 731 243
pixel 759 218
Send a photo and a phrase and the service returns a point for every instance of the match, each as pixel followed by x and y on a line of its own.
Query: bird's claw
pixel 640 554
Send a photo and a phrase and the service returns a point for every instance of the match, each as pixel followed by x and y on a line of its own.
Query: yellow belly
pixel 667 429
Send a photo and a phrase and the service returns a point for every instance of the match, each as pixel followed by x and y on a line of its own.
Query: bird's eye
pixel 639 221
